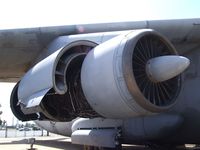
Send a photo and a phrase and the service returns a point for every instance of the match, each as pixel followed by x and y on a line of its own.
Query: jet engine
pixel 136 73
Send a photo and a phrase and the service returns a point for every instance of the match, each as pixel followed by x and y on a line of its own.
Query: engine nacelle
pixel 111 83
pixel 114 78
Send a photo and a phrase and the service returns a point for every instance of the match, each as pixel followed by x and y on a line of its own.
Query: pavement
pixel 41 143
pixel 52 142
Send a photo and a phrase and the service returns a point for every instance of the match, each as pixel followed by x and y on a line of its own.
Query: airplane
pixel 108 84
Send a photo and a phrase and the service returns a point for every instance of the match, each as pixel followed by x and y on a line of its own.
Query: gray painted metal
pixel 103 63
pixel 40 80
pixel 150 128
pixel 41 77
pixel 136 130
pixel 62 128
pixel 20 48
pixel 63 41
pixel 95 137
pixel 111 65
pixel 96 123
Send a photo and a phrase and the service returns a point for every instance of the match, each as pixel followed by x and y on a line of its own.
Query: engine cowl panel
pixel 86 79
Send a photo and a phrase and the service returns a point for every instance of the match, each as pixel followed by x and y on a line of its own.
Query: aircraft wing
pixel 109 83
pixel 21 48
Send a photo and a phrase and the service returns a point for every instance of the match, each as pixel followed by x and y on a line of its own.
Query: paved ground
pixel 42 143
pixel 53 142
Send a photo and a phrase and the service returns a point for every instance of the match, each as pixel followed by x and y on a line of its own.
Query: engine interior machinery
pixel 111 75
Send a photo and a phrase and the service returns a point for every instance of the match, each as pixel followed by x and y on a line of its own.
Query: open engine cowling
pixel 50 90
pixel 84 79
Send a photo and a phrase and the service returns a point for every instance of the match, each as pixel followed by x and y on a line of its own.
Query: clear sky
pixel 29 13
pixel 34 13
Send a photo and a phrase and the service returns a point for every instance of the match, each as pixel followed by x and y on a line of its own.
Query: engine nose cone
pixel 163 68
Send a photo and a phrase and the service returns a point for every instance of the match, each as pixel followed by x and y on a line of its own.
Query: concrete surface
pixel 52 142
pixel 42 143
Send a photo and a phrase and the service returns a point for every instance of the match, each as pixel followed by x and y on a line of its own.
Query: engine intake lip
pixel 129 75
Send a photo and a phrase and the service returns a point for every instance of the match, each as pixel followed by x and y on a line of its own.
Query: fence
pixel 12 132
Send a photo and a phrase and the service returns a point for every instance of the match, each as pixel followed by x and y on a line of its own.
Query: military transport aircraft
pixel 110 83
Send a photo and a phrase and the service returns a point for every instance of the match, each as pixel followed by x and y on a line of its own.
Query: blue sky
pixel 34 13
